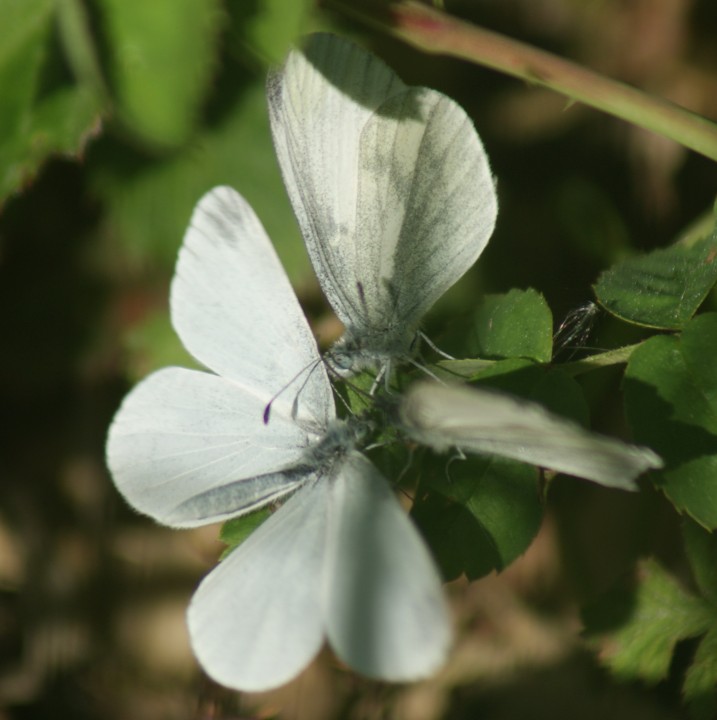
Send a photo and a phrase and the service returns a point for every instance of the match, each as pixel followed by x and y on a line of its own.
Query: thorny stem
pixel 433 31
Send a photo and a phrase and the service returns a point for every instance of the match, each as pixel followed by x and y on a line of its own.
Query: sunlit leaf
pixel 234 532
pixel 700 686
pixel 663 289
pixel 517 324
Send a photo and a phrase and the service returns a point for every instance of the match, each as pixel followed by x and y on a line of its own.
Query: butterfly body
pixel 339 560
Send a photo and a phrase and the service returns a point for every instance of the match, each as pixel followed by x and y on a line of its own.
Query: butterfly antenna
pixel 407 464
pixel 349 384
pixel 343 401
pixel 458 455
pixel 433 346
pixel 295 404
pixel 380 374
pixel 424 369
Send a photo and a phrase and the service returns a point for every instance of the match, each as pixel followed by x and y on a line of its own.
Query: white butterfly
pixel 391 187
pixel 340 559
pixel 484 421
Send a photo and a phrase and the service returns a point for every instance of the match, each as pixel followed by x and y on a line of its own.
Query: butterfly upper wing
pixel 485 421
pixel 426 193
pixel 257 619
pixel 390 184
pixel 386 614
pixel 235 310
pixel 186 448
pixel 319 102
pixel 189 447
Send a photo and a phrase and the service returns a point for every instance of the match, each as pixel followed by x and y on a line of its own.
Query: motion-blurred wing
pixel 484 421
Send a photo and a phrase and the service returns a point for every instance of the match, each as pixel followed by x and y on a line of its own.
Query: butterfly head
pixel 357 351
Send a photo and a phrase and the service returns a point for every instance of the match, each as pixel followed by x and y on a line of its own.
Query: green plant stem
pixel 618 356
pixel 433 31
pixel 469 367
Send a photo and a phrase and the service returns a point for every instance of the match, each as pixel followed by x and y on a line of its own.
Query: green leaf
pixel 701 548
pixel 517 324
pixel 160 55
pixel 663 289
pixel 459 544
pixel 637 628
pixel 43 111
pixel 515 375
pixel 561 394
pixel 671 404
pixel 269 27
pixel 235 531
pixel 701 679
pixel 479 514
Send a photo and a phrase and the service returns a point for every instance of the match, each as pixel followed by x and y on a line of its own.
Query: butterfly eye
pixel 342 360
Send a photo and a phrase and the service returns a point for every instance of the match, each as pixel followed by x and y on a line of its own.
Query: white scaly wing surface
pixel 484 421
pixel 257 619
pixel 188 447
pixel 386 613
pixel 340 558
pixel 234 309
pixel 390 185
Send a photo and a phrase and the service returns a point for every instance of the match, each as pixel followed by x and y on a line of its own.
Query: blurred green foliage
pixel 115 117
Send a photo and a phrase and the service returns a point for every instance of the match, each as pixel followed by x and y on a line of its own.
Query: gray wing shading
pixel 426 206
pixel 186 448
